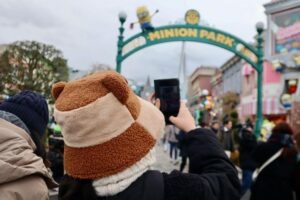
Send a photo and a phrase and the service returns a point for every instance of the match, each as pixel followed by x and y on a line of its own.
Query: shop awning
pixel 271 106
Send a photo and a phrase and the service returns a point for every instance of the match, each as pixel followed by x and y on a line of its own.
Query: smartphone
pixel 168 91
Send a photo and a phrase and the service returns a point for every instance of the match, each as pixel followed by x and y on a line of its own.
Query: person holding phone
pixel 110 137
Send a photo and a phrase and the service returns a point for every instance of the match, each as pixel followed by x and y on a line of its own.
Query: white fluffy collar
pixel 112 185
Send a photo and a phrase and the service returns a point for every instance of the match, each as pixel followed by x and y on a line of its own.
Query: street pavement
pixel 163 161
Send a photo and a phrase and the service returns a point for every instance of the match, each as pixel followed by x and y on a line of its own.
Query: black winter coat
pixel 275 182
pixel 212 177
pixel 182 143
pixel 226 138
pixel 248 144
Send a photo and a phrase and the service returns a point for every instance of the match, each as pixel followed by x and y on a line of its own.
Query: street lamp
pixel 259 27
pixel 260 55
pixel 205 92
pixel 122 16
pixel 122 19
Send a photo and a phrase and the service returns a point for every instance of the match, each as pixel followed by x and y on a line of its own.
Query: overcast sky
pixel 86 30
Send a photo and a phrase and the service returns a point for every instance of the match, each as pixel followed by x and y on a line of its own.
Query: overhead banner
pixel 189 33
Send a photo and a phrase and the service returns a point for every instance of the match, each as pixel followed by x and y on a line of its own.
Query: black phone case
pixel 168 91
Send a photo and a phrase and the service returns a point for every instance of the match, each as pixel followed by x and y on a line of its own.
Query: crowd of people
pixel 270 170
pixel 108 142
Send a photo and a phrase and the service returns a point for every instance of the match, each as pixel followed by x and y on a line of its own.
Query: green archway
pixel 200 34
pixel 191 33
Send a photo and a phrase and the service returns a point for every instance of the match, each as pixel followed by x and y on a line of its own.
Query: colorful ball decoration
pixel 277 65
pixel 286 100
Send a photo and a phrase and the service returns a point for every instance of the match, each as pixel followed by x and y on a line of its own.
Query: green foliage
pixel 30 65
pixel 234 114
pixel 201 119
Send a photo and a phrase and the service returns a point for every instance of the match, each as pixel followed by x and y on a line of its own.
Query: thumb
pixel 173 119
pixel 157 103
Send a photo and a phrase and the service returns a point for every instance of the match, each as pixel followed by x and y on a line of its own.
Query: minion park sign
pixel 193 32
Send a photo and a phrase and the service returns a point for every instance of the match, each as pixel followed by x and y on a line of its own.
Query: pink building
pixel 271 93
pixel 200 80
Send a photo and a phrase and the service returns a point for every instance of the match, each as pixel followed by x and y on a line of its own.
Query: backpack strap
pixel 270 160
pixel 153 185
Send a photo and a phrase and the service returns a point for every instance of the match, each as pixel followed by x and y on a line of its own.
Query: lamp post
pixel 260 70
pixel 122 19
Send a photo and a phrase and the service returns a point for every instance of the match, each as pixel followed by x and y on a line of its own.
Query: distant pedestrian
pixel 215 127
pixel 247 145
pixel 226 137
pixel 23 171
pixel 110 136
pixel 55 156
pixel 165 142
pixel 296 181
pixel 203 125
pixel 275 181
pixel 183 149
pixel 171 134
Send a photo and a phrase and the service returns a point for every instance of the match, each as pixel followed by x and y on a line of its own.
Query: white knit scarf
pixel 112 185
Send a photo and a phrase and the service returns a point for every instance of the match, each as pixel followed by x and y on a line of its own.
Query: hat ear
pixel 118 86
pixel 57 88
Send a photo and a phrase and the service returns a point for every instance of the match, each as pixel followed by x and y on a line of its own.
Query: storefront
pixel 283 52
pixel 272 110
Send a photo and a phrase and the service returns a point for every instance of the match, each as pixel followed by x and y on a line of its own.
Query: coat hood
pixel 17 157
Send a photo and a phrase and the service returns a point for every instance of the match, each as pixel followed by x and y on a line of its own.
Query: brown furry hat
pixel 106 127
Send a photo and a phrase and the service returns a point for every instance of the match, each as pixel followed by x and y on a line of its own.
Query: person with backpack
pixel 279 157
pixel 110 137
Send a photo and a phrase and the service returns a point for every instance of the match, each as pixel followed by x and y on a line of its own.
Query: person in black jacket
pixel 296 181
pixel 183 148
pixel 101 171
pixel 247 145
pixel 275 182
pixel 226 136
pixel 211 175
pixel 215 126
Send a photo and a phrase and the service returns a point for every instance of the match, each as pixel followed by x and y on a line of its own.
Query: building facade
pixel 199 93
pixel 217 91
pixel 200 80
pixel 283 52
pixel 241 78
pixel 217 84
pixel 231 75
pixel 271 90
